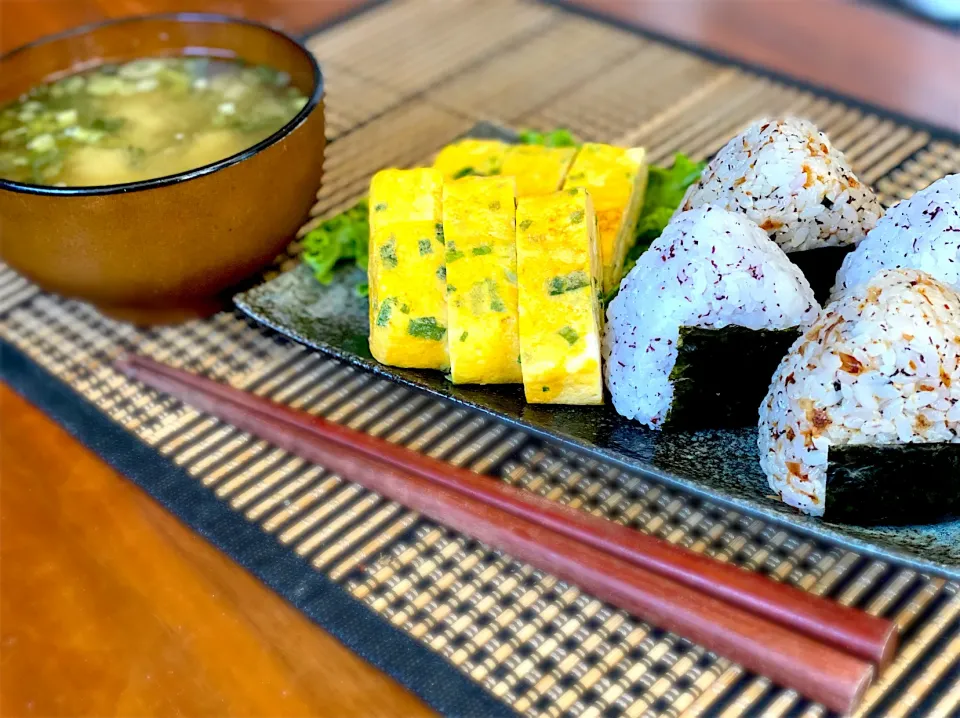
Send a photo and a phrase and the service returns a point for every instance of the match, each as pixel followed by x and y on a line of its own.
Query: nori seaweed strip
pixel 722 375
pixel 820 267
pixel 894 484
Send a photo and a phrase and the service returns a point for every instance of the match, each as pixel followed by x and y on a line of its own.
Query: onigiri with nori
pixel 710 269
pixel 879 367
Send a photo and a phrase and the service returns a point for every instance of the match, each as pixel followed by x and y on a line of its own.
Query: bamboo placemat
pixel 403 79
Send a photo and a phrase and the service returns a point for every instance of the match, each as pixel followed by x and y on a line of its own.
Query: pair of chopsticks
pixel 825 651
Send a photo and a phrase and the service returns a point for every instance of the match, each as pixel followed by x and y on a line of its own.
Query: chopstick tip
pixel 890 646
pixel 859 691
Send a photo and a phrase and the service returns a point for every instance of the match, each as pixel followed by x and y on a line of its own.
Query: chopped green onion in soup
pixel 143 119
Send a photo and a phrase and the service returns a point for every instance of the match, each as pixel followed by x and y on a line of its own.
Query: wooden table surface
pixel 109 606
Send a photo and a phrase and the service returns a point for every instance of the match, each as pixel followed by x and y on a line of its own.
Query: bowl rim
pixel 193 17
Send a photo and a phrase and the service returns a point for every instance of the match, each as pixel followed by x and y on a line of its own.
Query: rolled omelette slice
pixel 616 178
pixel 481 260
pixel 539 170
pixel 408 312
pixel 405 196
pixel 558 265
pixel 470 157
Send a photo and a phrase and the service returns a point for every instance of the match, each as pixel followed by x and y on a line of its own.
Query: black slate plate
pixel 719 465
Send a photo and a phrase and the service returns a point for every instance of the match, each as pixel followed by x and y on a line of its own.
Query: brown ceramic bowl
pixel 166 249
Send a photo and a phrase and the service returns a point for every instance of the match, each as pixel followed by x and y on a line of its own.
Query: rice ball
pixel 880 365
pixel 787 177
pixel 710 268
pixel 922 232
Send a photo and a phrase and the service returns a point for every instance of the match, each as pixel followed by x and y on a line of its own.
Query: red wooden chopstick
pixel 871 638
pixel 616 567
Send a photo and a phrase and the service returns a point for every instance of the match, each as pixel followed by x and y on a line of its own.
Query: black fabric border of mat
pixel 425 673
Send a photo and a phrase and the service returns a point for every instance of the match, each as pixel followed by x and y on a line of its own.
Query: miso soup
pixel 140 120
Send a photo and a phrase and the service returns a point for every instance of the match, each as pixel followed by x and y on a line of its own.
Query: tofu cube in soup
pixel 481 265
pixel 558 265
pixel 617 180
pixel 408 314
pixel 539 170
pixel 470 157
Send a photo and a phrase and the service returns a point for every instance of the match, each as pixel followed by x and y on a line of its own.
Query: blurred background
pixel 946 12
pixel 20 19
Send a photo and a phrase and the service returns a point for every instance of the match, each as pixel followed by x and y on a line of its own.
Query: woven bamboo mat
pixel 403 79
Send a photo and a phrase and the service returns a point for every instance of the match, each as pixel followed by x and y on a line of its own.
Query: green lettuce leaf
pixel 558 138
pixel 340 240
